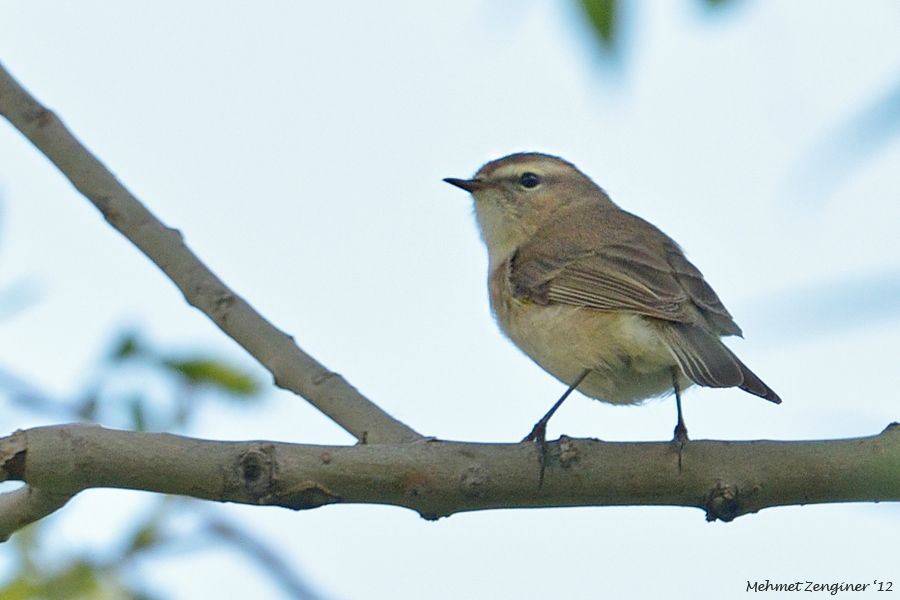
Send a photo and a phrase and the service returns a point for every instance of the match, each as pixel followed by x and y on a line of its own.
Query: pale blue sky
pixel 300 148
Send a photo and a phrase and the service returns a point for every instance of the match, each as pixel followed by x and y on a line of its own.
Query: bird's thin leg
pixel 539 431
pixel 681 434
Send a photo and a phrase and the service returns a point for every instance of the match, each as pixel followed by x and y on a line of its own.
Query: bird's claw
pixel 679 439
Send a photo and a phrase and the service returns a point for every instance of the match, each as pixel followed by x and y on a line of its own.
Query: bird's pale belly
pixel 628 361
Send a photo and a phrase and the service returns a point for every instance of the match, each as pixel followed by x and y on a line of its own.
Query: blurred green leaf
pixel 20 588
pixel 717 3
pixel 79 580
pixel 217 374
pixel 147 536
pixel 602 15
pixel 126 347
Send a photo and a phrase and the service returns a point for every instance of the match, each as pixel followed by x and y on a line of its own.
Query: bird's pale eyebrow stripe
pixel 538 162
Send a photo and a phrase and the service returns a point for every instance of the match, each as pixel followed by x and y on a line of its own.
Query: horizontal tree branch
pixel 291 367
pixel 437 478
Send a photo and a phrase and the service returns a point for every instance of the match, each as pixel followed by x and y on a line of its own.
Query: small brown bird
pixel 598 297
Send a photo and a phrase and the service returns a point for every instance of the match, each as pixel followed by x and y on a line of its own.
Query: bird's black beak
pixel 470 185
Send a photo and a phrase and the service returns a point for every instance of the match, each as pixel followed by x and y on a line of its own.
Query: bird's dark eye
pixel 530 180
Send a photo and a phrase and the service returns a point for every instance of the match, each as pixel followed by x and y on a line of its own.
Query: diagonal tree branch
pixel 291 367
pixel 436 478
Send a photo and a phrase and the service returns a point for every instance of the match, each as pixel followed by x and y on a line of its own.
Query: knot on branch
pixel 41 117
pixel 258 473
pixel 256 469
pixel 223 303
pixel 727 502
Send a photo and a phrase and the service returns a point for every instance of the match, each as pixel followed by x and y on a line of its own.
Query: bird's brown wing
pixel 648 276
pixel 621 277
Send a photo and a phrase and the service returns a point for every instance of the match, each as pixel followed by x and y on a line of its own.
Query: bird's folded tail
pixel 708 362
